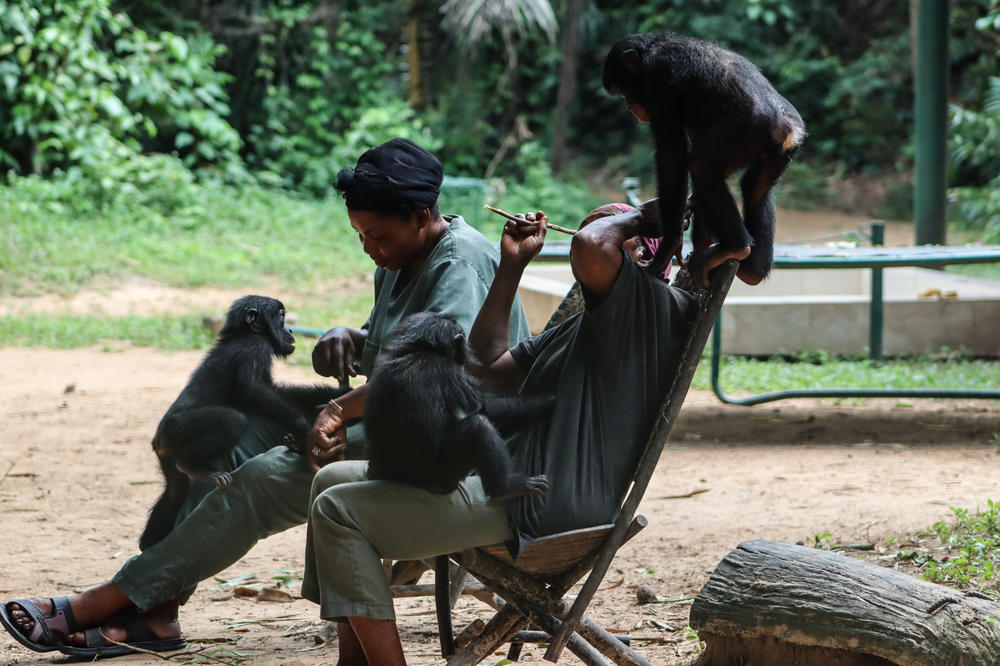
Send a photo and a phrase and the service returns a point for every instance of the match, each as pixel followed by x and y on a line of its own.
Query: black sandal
pixel 49 631
pixel 139 638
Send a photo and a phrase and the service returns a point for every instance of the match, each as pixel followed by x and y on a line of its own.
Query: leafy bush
pixel 316 83
pixel 80 84
pixel 974 142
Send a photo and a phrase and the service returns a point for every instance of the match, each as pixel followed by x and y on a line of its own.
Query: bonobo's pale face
pixel 638 110
pixel 392 241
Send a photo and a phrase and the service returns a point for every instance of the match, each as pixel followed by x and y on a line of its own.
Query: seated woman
pixel 609 368
pixel 425 261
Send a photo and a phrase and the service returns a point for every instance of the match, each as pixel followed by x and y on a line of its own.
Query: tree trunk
pixel 567 83
pixel 775 603
pixel 413 54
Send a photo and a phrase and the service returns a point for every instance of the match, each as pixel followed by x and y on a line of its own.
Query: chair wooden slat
pixel 553 555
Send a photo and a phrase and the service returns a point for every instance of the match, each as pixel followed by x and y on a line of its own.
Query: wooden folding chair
pixel 531 588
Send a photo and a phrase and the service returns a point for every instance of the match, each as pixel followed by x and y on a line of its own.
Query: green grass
pixel 979 271
pixel 55 242
pixel 741 376
pixel 223 236
pixel 70 331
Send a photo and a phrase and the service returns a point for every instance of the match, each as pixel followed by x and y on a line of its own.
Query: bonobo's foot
pixel 532 485
pixel 537 485
pixel 749 277
pixel 700 264
pixel 220 479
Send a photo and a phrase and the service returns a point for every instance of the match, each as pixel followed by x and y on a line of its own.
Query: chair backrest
pixel 709 306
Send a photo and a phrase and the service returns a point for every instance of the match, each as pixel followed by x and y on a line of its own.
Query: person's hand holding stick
pixel 525 223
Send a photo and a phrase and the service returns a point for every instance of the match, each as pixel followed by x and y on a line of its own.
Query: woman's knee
pixel 275 464
pixel 335 474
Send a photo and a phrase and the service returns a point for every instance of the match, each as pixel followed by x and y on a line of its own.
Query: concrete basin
pixel 795 309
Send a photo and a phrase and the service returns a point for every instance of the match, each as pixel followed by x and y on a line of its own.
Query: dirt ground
pixel 77 477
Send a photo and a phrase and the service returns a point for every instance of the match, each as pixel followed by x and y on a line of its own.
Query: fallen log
pixel 775 603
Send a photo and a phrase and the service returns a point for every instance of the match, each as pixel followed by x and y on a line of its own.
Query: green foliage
pixel 978 209
pixel 974 142
pixel 565 203
pixel 972 542
pixel 324 89
pixel 770 12
pixel 80 87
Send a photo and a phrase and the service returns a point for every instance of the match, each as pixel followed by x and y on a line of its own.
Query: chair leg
pixel 442 602
pixel 458 577
pixel 501 627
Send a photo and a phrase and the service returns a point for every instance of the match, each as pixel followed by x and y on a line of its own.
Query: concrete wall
pixel 924 311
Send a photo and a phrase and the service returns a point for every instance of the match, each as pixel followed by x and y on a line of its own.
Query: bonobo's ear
pixel 253 320
pixel 632 62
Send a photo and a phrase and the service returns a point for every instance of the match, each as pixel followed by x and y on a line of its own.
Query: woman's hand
pixel 334 354
pixel 520 243
pixel 327 441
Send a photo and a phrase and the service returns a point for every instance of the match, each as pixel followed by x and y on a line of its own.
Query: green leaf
pixel 176 45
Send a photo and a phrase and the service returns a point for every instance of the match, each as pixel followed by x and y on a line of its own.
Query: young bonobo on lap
pixel 429 423
pixel 712 113
pixel 210 414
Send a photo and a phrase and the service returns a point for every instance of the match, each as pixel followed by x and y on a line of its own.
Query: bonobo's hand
pixel 327 441
pixel 524 485
pixel 521 243
pixel 333 355
pixel 688 212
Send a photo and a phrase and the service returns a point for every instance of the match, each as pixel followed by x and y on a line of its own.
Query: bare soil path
pixel 77 477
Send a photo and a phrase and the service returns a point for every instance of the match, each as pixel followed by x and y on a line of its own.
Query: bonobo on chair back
pixel 534 593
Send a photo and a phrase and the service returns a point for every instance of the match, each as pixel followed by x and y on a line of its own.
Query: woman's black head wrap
pixel 396 177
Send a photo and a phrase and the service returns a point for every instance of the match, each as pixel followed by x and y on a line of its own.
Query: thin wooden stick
pixel 521 221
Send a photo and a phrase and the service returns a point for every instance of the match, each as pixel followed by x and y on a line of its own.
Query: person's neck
pixel 433 232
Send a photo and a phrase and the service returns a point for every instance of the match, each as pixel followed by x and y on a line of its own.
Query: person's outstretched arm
pixel 488 338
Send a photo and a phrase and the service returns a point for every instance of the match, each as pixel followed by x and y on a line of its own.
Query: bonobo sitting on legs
pixel 210 414
pixel 428 422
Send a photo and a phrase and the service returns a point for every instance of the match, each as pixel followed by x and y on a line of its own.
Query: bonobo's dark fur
pixel 209 416
pixel 712 113
pixel 428 422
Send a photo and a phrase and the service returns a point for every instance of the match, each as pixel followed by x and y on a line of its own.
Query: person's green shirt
pixel 453 280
